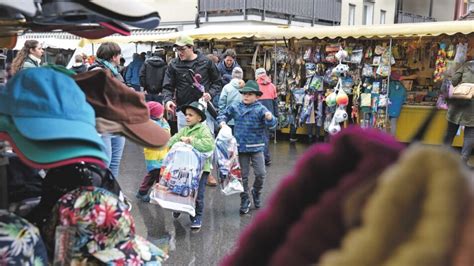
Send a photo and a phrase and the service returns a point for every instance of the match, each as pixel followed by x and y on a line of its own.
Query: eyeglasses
pixel 181 48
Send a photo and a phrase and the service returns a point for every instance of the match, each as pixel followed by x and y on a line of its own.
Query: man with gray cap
pixel 181 81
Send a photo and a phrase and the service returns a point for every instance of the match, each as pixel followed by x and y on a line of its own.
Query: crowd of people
pixel 202 94
pixel 205 93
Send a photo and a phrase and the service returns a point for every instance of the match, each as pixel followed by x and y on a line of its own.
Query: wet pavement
pixel 222 223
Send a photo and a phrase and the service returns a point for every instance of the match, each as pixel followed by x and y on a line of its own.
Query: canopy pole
pixel 275 79
pixel 387 120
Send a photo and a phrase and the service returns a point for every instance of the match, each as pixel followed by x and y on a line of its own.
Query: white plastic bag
pixel 179 179
pixel 227 160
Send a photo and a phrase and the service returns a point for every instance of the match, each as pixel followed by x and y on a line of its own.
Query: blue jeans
pixel 200 196
pixel 266 151
pixel 114 148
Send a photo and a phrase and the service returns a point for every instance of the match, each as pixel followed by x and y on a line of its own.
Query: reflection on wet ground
pixel 222 223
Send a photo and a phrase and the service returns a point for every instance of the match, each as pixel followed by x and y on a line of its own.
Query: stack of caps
pixel 46 118
pixel 120 110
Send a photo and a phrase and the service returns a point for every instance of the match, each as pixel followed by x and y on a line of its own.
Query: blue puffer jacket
pixel 133 72
pixel 250 125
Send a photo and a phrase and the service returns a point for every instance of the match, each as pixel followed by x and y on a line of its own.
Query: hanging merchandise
pixel 227 160
pixel 367 71
pixel 461 53
pixel 180 174
pixel 317 54
pixel 440 64
pixel 386 60
pixel 310 69
pixel 331 99
pixel 357 55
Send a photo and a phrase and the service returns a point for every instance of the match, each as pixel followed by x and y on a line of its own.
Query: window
pixel 470 6
pixel 383 14
pixel 368 17
pixel 352 10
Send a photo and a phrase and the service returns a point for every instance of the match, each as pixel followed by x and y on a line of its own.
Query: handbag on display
pixel 463 91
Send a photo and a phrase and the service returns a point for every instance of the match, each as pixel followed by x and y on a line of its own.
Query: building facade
pixel 363 12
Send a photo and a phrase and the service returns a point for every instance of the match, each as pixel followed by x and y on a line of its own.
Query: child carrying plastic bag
pixel 227 160
pixel 179 182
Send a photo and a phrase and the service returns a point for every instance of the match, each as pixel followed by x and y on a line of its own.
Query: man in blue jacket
pixel 132 76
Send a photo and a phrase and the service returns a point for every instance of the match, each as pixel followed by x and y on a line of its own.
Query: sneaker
pixel 244 206
pixel 268 163
pixel 143 196
pixel 176 215
pixel 211 181
pixel 256 199
pixel 293 140
pixel 196 223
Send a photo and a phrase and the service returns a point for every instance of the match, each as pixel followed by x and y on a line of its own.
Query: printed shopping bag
pixel 227 160
pixel 180 174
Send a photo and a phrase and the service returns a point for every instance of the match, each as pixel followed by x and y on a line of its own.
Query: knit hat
pixel 156 109
pixel 348 159
pixel 237 73
pixel 260 71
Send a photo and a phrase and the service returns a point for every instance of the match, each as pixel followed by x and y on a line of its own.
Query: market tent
pixel 62 40
pixel 320 32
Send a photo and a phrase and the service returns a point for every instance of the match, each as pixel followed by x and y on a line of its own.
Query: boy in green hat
pixel 198 135
pixel 251 121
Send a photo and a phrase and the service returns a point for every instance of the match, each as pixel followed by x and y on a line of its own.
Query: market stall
pixel 303 64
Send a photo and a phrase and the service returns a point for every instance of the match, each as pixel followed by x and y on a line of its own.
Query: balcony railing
pixel 405 17
pixel 312 11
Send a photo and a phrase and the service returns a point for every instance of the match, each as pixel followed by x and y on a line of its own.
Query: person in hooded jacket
pixel 227 64
pixel 152 74
pixel 269 99
pixel 231 92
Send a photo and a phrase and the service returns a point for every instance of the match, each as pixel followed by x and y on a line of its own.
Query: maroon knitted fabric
pixel 287 231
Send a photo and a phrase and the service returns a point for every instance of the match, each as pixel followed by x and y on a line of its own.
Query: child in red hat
pixel 153 156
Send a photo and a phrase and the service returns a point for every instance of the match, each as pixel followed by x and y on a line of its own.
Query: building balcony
pixel 326 12
pixel 405 17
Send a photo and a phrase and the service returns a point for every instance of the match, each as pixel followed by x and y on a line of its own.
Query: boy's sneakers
pixel 143 196
pixel 244 205
pixel 256 199
pixel 196 222
pixel 176 215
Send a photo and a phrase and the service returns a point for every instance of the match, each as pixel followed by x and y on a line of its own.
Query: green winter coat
pixel 462 114
pixel 202 140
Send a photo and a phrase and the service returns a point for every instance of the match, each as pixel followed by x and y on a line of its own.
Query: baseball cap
pixel 20 241
pixel 115 101
pixel 47 152
pixel 112 240
pixel 184 40
pixel 48 105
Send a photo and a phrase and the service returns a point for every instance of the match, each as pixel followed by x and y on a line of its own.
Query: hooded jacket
pixel 250 125
pixel 152 74
pixel 230 95
pixel 269 96
pixel 178 80
pixel 133 72
pixel 462 113
pixel 226 72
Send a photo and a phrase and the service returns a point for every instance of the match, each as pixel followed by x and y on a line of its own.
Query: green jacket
pixel 462 114
pixel 202 140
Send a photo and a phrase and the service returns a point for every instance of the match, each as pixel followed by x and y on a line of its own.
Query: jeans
pixel 258 164
pixel 148 181
pixel 266 151
pixel 182 121
pixel 114 148
pixel 468 141
pixel 200 196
